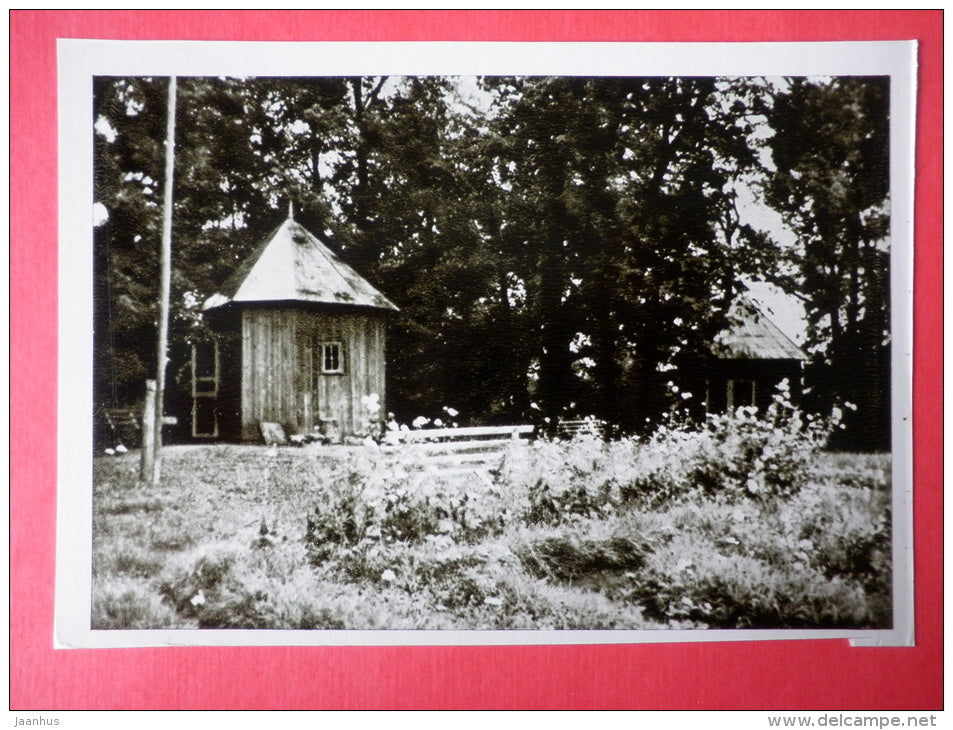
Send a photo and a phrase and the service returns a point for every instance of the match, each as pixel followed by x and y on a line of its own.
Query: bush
pixel 740 454
pixel 403 502
pixel 553 482
pixel 580 534
pixel 737 456
pixel 738 521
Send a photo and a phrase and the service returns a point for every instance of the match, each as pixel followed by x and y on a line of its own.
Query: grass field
pixel 562 536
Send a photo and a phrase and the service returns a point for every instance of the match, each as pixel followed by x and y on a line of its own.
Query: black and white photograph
pixel 490 353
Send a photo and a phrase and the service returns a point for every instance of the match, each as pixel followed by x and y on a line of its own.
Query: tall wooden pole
pixel 165 276
pixel 147 462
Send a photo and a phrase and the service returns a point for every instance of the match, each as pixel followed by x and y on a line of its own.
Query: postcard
pixel 484 343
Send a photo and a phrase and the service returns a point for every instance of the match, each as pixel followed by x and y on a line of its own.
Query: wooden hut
pixel 749 360
pixel 299 342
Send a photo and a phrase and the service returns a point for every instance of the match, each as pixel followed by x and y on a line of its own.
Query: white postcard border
pixel 80 60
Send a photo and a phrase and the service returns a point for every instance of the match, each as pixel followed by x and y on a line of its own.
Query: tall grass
pixel 713 528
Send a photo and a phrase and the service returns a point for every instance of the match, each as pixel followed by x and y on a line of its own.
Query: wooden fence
pixel 458 452
pixel 587 426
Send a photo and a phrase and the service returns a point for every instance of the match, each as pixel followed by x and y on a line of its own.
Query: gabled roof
pixel 751 335
pixel 292 264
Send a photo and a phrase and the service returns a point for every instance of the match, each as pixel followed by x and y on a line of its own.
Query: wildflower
pixel 445 526
pixel 372 405
pixel 122 449
pixel 198 599
pixel 420 422
pixel 110 452
pixel 438 423
pixel 388 576
pixel 452 412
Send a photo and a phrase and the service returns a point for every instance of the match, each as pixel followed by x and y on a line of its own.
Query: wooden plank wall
pixel 278 349
pixel 268 369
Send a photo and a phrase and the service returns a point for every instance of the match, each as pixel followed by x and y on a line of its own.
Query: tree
pixel 569 242
pixel 223 181
pixel 421 240
pixel 831 151
pixel 127 173
pixel 618 188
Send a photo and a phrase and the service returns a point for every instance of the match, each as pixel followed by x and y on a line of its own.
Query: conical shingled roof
pixel 751 335
pixel 294 265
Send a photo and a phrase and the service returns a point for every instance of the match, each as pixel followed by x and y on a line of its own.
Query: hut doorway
pixel 205 386
pixel 741 393
pixel 324 365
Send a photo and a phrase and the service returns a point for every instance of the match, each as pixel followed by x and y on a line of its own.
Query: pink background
pixel 811 675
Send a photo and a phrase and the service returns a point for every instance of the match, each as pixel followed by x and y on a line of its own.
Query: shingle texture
pixel 294 265
pixel 751 335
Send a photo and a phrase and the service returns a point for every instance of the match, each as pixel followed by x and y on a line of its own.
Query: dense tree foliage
pixel 557 246
pixel 831 151
pixel 619 203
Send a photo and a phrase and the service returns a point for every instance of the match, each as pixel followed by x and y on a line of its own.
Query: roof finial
pixel 291 209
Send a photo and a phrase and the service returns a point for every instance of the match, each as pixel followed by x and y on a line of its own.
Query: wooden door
pixel 205 386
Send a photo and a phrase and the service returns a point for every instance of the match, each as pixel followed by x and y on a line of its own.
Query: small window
pixel 332 360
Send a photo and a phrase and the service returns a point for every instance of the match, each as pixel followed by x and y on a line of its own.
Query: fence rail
pixel 587 426
pixel 470 432
pixel 459 452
